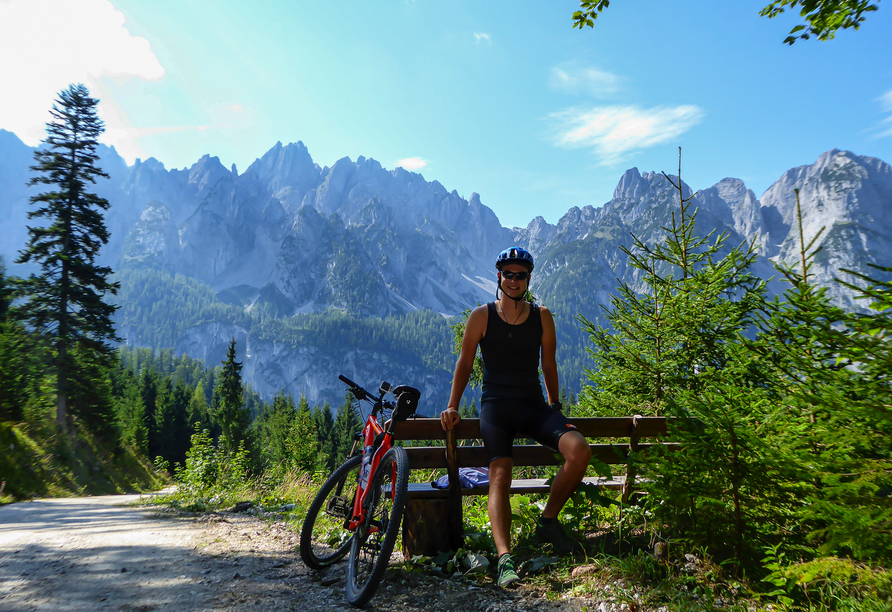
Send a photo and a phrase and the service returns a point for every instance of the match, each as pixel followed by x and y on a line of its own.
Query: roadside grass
pixel 620 567
pixel 42 463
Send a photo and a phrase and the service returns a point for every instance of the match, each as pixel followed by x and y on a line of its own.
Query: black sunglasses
pixel 518 275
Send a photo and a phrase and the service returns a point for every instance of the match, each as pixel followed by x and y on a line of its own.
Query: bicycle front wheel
pixel 324 537
pixel 374 540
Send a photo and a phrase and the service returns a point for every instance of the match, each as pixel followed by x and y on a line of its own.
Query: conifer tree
pixel 148 390
pixel 15 352
pixel 228 405
pixel 347 423
pixel 131 418
pixel 661 340
pixel 304 440
pixel 65 302
pixel 198 409
pixel 275 424
pixel 5 290
pixel 325 434
pixel 676 350
pixel 832 372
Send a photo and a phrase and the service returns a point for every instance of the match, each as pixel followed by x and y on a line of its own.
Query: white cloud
pixel 478 36
pixel 592 81
pixel 886 101
pixel 58 42
pixel 885 126
pixel 412 163
pixel 613 132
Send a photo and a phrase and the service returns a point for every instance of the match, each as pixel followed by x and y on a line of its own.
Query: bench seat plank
pixel 427 457
pixel 424 490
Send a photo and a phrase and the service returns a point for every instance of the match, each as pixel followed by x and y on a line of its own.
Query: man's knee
pixel 575 448
pixel 500 472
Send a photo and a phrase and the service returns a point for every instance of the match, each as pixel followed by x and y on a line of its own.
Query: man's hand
pixel 449 418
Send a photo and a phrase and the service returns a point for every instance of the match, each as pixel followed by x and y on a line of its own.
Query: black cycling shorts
pixel 504 419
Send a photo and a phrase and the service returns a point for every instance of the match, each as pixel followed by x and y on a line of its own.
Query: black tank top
pixel 511 356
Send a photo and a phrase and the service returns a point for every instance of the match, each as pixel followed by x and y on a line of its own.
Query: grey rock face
pixel 849 197
pixel 273 366
pixel 294 237
pixel 153 242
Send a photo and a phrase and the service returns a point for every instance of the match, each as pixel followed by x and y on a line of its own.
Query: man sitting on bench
pixel 513 335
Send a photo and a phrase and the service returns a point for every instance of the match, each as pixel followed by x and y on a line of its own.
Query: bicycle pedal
pixel 338 507
pixel 375 527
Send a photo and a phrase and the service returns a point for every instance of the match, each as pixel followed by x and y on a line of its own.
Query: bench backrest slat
pixel 590 427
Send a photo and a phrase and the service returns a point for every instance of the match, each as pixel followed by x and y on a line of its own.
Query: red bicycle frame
pixel 371 432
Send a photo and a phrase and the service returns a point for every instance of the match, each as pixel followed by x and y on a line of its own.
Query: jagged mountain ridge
pixel 289 236
pixel 845 194
pixel 287 222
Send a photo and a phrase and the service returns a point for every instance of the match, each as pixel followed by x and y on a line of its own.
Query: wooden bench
pixel 433 518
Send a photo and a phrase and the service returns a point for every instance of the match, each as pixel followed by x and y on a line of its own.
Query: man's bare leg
pixel 577 454
pixel 499 504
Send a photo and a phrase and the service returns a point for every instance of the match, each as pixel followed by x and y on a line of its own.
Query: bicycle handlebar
pixel 358 392
pixel 347 381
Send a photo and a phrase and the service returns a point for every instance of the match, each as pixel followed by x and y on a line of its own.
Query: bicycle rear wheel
pixel 374 540
pixel 324 538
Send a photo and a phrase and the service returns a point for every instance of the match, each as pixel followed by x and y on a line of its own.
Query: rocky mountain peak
pixel 731 204
pixel 631 186
pixel 150 165
pixel 535 235
pixel 833 183
pixel 287 172
pixel 207 171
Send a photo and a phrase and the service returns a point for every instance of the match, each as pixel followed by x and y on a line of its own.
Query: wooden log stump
pixel 425 527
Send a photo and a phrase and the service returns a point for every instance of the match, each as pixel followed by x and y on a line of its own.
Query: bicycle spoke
pixel 324 538
pixel 370 552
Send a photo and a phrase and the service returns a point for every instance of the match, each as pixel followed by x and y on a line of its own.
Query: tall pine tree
pixel 65 302
pixel 675 350
pixel 346 425
pixel 228 402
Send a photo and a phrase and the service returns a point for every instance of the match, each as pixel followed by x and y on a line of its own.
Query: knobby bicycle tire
pixel 374 540
pixel 324 538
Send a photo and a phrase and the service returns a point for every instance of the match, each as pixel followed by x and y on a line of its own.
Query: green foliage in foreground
pixel 209 469
pixel 782 410
pixel 822 18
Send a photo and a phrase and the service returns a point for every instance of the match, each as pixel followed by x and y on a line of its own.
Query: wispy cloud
pixel 885 126
pixel 90 42
pixel 412 163
pixel 480 36
pixel 614 132
pixel 886 101
pixel 236 108
pixel 584 80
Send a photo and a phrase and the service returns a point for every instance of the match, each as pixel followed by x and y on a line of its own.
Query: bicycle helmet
pixel 515 255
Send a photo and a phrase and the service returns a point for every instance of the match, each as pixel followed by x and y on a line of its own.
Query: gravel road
pixel 98 553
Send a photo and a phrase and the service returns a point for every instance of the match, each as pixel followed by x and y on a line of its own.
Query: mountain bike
pixel 360 506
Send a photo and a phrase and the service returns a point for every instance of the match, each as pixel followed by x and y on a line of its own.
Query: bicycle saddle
pixel 406 402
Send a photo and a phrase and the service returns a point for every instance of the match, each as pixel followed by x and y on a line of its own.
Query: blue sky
pixel 500 98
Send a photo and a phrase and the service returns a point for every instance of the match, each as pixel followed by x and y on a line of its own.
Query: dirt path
pixel 95 553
